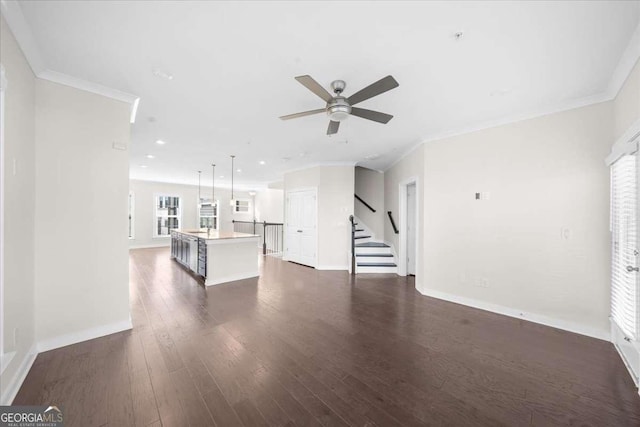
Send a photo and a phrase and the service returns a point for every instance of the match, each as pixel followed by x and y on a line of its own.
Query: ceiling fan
pixel 339 107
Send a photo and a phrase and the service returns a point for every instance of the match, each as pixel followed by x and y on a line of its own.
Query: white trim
pixel 625 65
pixel 134 110
pixel 75 82
pixel 519 314
pixel 152 245
pixel 333 267
pixel 4 358
pixel 231 278
pixel 14 384
pixel 24 36
pixel 402 226
pixel 22 32
pixel 616 331
pixel 626 144
pixel 84 335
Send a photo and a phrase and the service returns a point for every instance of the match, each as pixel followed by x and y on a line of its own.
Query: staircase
pixel 371 256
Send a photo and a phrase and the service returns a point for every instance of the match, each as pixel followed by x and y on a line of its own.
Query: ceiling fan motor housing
pixel 338 108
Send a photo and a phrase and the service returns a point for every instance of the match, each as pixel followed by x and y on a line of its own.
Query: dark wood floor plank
pixel 301 347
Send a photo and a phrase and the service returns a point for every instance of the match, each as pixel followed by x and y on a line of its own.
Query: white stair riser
pixel 367 240
pixel 372 250
pixel 376 269
pixel 377 259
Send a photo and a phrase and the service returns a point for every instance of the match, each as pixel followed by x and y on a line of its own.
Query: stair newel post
pixel 264 238
pixel 353 245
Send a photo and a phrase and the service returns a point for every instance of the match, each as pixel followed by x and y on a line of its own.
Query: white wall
pixel 269 205
pixel 335 185
pixel 144 199
pixel 544 175
pixel 627 103
pixel 81 258
pixel 19 139
pixel 369 185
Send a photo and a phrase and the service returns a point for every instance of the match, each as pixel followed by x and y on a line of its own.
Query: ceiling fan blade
pixel 333 127
pixel 314 86
pixel 376 116
pixel 304 113
pixel 373 89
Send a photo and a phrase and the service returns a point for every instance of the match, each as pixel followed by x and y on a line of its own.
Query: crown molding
pixel 75 82
pixel 515 118
pixel 12 13
pixel 627 61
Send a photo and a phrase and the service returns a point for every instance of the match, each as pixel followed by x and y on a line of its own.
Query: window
pixel 242 206
pixel 168 214
pixel 208 214
pixel 131 209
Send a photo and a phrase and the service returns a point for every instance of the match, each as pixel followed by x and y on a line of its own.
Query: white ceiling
pixel 234 66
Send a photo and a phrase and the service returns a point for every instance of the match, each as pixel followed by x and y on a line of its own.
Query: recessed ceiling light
pixel 222 176
pixel 143 166
pixel 150 156
pixel 238 170
pixel 262 162
pixel 160 142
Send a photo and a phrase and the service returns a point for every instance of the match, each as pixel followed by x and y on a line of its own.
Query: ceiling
pixel 233 67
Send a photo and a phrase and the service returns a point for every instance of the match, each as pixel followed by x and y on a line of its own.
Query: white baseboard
pixel 333 267
pixel 231 278
pixel 153 245
pixel 519 314
pixel 84 335
pixel 14 384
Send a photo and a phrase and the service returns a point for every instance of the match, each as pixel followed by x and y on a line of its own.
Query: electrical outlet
pixel 16 336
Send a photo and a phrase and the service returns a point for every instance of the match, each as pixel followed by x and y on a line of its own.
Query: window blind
pixel 624 283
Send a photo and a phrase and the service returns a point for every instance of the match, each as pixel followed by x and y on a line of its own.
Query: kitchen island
pixel 217 256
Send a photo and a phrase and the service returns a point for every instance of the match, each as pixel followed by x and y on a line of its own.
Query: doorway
pixel 411 229
pixel 408 249
pixel 301 240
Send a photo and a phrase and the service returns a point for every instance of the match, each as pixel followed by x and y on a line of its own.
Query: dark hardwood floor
pixel 316 348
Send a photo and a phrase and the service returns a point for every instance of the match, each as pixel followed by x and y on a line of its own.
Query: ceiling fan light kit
pixel 339 108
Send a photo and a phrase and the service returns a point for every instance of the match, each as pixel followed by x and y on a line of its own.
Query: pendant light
pixel 232 202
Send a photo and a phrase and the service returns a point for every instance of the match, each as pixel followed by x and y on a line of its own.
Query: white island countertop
pixel 214 234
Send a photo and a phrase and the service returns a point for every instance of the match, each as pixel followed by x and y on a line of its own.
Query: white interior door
pixel 411 229
pixel 301 237
pixel 625 309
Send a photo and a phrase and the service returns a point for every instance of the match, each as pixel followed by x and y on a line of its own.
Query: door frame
pixel 402 237
pixel 628 143
pixel 4 359
pixel 285 252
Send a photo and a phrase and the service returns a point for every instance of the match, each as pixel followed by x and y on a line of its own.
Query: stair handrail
pixel 353 244
pixel 364 203
pixel 393 223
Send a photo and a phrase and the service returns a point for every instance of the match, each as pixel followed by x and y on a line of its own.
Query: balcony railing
pixel 271 234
